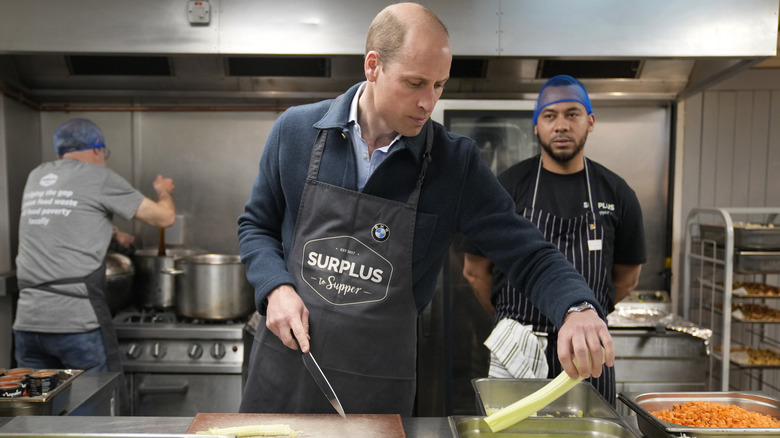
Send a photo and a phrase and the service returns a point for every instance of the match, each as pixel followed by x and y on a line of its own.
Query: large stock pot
pixel 212 287
pixel 155 287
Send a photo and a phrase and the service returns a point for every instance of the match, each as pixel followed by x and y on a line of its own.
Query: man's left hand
pixel 582 336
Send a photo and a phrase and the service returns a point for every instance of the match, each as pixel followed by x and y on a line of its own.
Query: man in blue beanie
pixel 587 211
pixel 62 319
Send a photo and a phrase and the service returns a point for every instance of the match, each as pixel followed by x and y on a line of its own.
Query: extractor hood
pixel 276 53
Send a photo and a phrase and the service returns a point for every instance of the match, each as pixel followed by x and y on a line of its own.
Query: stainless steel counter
pixel 95 387
pixel 415 427
pixel 423 427
pixel 82 394
pixel 95 394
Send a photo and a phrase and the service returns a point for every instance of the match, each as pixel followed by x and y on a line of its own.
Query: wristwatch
pixel 580 307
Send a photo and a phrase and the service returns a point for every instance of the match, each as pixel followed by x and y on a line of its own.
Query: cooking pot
pixel 212 287
pixel 119 281
pixel 156 288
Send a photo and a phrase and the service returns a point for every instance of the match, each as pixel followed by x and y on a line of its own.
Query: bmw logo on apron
pixel 380 232
pixel 343 270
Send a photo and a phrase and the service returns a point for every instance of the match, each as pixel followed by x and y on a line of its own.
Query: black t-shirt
pixel 566 196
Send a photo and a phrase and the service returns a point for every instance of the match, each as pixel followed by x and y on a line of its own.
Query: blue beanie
pixel 77 135
pixel 561 88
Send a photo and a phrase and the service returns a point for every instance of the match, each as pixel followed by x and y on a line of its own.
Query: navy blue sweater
pixel 460 194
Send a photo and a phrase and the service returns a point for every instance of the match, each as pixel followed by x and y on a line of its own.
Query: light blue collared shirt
pixel 365 165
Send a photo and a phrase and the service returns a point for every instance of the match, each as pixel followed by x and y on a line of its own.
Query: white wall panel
pixel 724 149
pixel 731 157
pixel 743 118
pixel 773 152
pixel 756 146
pixel 709 148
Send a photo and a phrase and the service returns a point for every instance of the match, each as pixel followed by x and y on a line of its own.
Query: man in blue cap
pixel 62 319
pixel 587 211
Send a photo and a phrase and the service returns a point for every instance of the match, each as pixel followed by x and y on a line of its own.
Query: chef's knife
pixel 322 381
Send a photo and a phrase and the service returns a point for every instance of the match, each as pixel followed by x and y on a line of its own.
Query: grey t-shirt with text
pixel 64 232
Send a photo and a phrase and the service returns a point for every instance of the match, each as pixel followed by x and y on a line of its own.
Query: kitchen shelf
pixel 718 247
pixel 719 311
pixel 734 292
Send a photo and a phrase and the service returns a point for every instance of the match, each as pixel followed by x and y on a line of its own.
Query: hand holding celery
pixel 527 406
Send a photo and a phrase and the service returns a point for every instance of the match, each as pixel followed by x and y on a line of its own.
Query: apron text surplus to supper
pixel 351 261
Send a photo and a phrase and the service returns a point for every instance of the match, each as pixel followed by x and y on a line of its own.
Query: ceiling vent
pixel 292 66
pixel 468 68
pixel 97 65
pixel 623 69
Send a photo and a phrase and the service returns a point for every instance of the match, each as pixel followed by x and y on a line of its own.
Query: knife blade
pixel 322 382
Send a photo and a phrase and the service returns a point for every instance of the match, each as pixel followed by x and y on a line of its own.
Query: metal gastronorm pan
pixel 745 238
pixel 644 404
pixel 581 401
pixel 467 427
pixel 49 403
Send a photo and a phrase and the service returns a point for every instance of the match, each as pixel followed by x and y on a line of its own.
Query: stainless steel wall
pixel 211 156
pixel 19 152
pixel 510 28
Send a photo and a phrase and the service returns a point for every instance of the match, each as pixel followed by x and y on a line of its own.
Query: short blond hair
pixel 388 30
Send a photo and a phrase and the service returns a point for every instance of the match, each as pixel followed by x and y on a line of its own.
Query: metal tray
pixel 752 262
pixel 652 427
pixel 748 262
pixel 49 403
pixel 581 401
pixel 745 238
pixel 742 360
pixel 462 426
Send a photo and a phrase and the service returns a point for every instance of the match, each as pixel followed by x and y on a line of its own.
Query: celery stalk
pixel 269 430
pixel 527 406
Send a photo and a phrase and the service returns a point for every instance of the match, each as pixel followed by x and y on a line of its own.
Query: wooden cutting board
pixel 311 425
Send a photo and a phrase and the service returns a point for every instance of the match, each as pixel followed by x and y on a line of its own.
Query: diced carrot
pixel 712 414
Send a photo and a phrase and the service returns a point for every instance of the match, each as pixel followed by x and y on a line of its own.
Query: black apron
pixel 579 239
pixel 352 263
pixel 96 284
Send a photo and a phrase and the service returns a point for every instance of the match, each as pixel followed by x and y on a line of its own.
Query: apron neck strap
pixel 319 148
pixel 316 154
pixel 587 181
pixel 426 160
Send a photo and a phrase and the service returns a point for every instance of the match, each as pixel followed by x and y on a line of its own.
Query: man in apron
pixel 587 211
pixel 350 219
pixel 62 318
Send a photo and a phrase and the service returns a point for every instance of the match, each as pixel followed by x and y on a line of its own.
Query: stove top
pixel 162 341
pixel 133 316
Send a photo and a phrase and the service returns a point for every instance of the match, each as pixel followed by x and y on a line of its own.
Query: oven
pixel 176 366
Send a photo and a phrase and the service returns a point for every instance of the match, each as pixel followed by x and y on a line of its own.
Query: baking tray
pixel 740 314
pixel 463 426
pixel 745 238
pixel 652 427
pixel 742 359
pixel 581 401
pixel 49 403
pixel 748 262
pixel 757 262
